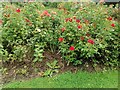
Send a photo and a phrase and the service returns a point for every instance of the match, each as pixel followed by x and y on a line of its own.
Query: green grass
pixel 107 79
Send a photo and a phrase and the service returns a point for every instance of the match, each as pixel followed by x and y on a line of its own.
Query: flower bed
pixel 79 34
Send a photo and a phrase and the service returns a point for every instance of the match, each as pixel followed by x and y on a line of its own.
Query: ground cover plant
pixel 39 39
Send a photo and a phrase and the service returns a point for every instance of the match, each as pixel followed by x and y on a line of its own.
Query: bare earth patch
pixel 26 70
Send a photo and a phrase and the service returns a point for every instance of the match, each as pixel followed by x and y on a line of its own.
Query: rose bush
pixel 94 35
pixel 25 29
pixel 82 34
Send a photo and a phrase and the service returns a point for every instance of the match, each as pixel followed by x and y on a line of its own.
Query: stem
pixel 51 48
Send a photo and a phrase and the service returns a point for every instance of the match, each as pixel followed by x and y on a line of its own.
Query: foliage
pixel 80 34
pixel 51 4
pixel 53 68
pixel 23 30
pixel 93 36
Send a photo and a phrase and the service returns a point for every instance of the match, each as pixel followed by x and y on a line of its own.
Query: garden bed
pixel 52 39
pixel 15 71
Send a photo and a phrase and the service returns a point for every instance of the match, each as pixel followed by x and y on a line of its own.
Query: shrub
pixel 50 4
pixel 82 34
pixel 21 31
pixel 90 36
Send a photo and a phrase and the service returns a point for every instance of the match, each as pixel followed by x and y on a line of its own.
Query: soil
pixel 26 70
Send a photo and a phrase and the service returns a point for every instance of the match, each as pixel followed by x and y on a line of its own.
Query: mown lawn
pixel 107 79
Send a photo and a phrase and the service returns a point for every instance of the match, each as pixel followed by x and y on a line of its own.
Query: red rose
pixel 7 15
pixel 48 15
pixel 6 6
pixel 78 21
pixel 70 19
pixel 30 24
pixel 79 26
pixel 72 48
pixel 63 29
pixel 1 22
pixel 45 13
pixel 86 21
pixel 82 38
pixel 67 19
pixel 60 39
pixel 74 17
pixel 113 25
pixel 18 10
pixel 109 18
pixel 27 20
pixel 87 34
pixel 90 41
